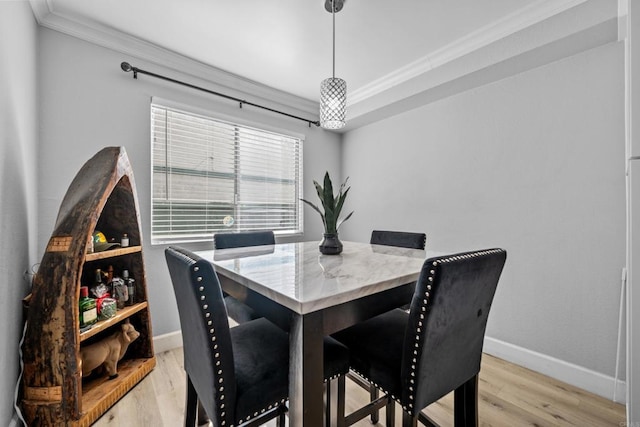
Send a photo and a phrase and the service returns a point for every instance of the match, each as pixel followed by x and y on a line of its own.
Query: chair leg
pixel 335 405
pixel 280 420
pixel 340 416
pixel 465 406
pixel 391 413
pixel 203 418
pixel 408 420
pixel 328 403
pixel 373 395
pixel 190 407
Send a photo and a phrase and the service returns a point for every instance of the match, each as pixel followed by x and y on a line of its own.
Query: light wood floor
pixel 509 396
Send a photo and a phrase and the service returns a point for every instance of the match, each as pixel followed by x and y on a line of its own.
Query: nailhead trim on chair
pixel 374 383
pixel 216 355
pixel 333 377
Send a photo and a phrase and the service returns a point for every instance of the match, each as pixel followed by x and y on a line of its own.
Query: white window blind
pixel 211 175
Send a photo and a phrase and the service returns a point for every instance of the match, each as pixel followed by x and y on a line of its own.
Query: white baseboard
pixel 14 421
pixel 586 379
pixel 166 342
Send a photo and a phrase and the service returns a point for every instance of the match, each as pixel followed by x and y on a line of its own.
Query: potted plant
pixel 332 206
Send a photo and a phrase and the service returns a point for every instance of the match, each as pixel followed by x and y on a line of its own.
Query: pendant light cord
pixel 333 14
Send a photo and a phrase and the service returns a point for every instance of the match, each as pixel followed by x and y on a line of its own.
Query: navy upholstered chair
pixel 243 239
pixel 237 310
pixel 221 362
pixel 418 357
pixel 401 239
pixel 240 312
pixel 239 375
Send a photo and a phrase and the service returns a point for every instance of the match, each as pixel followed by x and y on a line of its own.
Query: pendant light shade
pixel 333 103
pixel 333 91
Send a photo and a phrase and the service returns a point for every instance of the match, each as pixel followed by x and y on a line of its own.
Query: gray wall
pixel 88 103
pixel 533 163
pixel 18 139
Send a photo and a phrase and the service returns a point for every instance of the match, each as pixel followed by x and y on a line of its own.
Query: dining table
pixel 311 295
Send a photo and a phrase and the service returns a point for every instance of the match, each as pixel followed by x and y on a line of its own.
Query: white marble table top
pixel 297 276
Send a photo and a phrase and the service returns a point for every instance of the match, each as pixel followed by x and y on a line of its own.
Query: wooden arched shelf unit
pixel 101 197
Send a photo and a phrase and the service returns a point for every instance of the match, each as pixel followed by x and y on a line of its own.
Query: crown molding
pixel 134 47
pixel 528 16
pixel 41 8
pixel 435 66
pixel 583 28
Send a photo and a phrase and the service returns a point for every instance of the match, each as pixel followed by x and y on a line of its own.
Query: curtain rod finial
pixel 126 67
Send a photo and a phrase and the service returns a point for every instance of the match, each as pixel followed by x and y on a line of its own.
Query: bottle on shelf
pixel 131 287
pixel 98 278
pixel 124 242
pixel 120 292
pixel 88 309
pixel 109 274
pixel 100 290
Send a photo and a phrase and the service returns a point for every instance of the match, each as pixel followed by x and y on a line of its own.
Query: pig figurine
pixel 108 351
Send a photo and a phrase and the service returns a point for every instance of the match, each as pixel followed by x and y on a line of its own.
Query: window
pixel 211 175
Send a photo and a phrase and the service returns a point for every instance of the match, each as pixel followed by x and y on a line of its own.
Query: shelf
pixel 113 253
pixel 102 196
pixel 98 393
pixel 121 315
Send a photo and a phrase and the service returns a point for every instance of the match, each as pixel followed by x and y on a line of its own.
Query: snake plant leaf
pixel 341 198
pixel 342 189
pixel 316 208
pixel 328 193
pixel 344 219
pixel 320 192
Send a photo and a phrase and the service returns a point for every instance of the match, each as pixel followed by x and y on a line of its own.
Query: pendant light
pixel 333 91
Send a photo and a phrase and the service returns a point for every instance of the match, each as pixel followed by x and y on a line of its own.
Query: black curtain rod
pixel 126 67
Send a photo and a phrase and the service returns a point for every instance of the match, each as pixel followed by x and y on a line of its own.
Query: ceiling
pixel 286 44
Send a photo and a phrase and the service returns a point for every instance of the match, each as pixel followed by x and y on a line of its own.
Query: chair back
pixel 447 322
pixel 208 352
pixel 243 239
pixel 401 239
